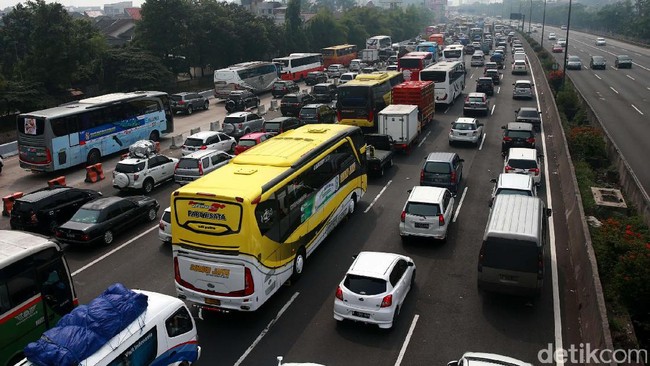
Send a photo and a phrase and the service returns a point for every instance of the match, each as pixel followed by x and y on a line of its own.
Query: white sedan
pixel 601 42
pixel 374 288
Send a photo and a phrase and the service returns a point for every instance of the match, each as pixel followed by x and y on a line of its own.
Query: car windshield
pixel 129 168
pixel 522 164
pixel 518 192
pixel 272 126
pixel 422 209
pixel 574 58
pixel 475 99
pixel 166 216
pixel 188 163
pixel 247 143
pixel 234 119
pixel 437 167
pixel 463 126
pixel 290 99
pixel 313 74
pixel 86 216
pixel 193 142
pixel 528 113
pixel 363 285
pixel 321 89
pixel 519 134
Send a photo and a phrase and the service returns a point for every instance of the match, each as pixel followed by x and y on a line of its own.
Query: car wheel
pixel 147 186
pixel 298 264
pixel 206 105
pixel 151 215
pixel 154 136
pixel 390 163
pixel 93 157
pixel 232 147
pixel 108 237
pixel 190 110
pixel 413 278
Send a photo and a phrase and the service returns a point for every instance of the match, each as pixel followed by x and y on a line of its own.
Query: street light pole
pixel 566 47
pixel 543 23
pixel 530 15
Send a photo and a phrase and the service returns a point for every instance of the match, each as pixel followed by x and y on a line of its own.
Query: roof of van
pixel 515 217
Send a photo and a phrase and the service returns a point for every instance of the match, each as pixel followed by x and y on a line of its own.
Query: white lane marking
pixel 113 251
pixel 492 111
pixel 446 110
pixel 499 90
pixel 614 90
pixel 648 87
pixel 460 203
pixel 637 109
pixel 377 197
pixel 259 337
pixel 482 141
pixel 638 54
pixel 557 316
pixel 424 138
pixel 407 340
pixel 471 76
pixel 630 77
pixel 599 78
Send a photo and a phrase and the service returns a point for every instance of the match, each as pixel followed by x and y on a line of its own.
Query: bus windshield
pixel 353 96
pixel 435 76
pixel 410 63
pixel 452 53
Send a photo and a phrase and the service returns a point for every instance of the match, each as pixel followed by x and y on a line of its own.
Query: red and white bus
pixel 296 66
pixel 342 54
pixel 411 64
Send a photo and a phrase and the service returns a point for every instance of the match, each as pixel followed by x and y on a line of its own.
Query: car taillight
pixel 58 234
pixel 161 225
pixel 387 301
pixel 507 139
pixel 181 102
pixel 453 177
pixel 534 170
pixel 200 168
pixel 48 156
pixel 403 216
pixel 339 293
pixel 371 115
pixel 530 140
pixel 85 237
pixel 508 168
pixel 176 167
pixel 421 176
pixel 441 220
pixel 249 285
pixel 136 176
pixel 203 147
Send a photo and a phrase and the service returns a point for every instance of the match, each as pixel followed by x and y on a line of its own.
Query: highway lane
pixel 452 317
pixel 618 96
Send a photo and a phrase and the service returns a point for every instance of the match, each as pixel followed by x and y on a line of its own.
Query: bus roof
pixel 244 65
pixel 339 47
pixel 443 65
pixel 379 37
pixel 88 103
pixel 417 54
pixel 15 245
pixel 296 55
pixel 268 163
pixel 377 76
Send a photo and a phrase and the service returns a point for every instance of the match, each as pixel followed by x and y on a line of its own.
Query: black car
pixel 315 77
pixel 317 113
pixel 291 104
pixel 485 85
pixel 102 219
pixel 529 115
pixel 517 134
pixel 45 209
pixel 284 87
pixel 597 62
pixel 324 92
pixel 239 100
pixel 280 125
pixel 623 61
pixel 188 102
pixel 494 74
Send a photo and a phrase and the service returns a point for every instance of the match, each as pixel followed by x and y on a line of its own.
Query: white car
pixel 518 184
pixel 165 226
pixel 552 36
pixel 208 140
pixel 487 359
pixel 335 70
pixel 427 213
pixel 143 172
pixel 601 41
pixel 519 67
pixel 521 160
pixel 345 77
pixel 561 42
pixel 374 288
pixel 466 130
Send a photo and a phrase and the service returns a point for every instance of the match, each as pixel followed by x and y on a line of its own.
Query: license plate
pixel 186 178
pixel 209 301
pixel 462 134
pixel 361 315
pixel 69 235
pixel 421 225
pixel 508 278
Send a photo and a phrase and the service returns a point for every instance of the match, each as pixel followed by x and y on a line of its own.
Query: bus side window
pixel 21 287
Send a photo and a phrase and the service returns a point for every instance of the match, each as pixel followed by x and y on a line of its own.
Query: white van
pixel 355 65
pixel 165 334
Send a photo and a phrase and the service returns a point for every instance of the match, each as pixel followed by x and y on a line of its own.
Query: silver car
pixel 573 63
pixel 466 130
pixel 165 226
pixel 523 89
pixel 427 213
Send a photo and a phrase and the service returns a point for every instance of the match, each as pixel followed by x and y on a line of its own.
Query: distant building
pixel 117 9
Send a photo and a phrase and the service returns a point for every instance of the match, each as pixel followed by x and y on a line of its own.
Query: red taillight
pixel 403 216
pixel 421 176
pixel 387 301
pixel 507 139
pixel 200 168
pixel 453 177
pixel 58 234
pixel 530 140
pixel 85 237
pixel 161 225
pixel 203 147
pixel 339 293
pixel 371 116
pixel 534 170
pixel 136 176
pixel 508 168
pixel 181 102
pixel 249 285
pixel 176 167
pixel 441 220
pixel 48 156
pixel 240 126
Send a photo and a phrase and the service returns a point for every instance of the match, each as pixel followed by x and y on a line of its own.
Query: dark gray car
pixel 529 115
pixel 188 102
pixel 324 92
pixel 442 169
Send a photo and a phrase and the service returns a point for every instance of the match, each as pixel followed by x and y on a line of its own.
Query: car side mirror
pixel 549 212
pixel 452 363
pixel 493 180
pixel 410 264
pixel 409 190
pixel 462 160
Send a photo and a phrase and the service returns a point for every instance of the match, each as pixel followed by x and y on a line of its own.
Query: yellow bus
pixel 360 100
pixel 342 54
pixel 240 232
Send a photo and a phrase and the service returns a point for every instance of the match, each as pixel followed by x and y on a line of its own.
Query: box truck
pixel 400 121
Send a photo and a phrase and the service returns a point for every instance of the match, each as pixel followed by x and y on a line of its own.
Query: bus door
pixel 56 291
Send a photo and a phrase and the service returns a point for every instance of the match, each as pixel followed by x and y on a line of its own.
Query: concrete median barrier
pixel 195 130
pixel 215 126
pixel 177 141
pixel 274 106
pixel 261 110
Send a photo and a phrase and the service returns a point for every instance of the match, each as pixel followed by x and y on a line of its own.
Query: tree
pixel 325 31
pixel 130 68
pixel 294 34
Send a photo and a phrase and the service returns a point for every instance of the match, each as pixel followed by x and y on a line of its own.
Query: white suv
pixel 208 140
pixel 165 226
pixel 143 169
pixel 427 213
pixel 523 161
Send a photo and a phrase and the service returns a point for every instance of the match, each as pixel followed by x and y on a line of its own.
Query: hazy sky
pixel 8 3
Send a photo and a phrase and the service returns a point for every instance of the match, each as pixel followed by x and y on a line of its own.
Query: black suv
pixel 529 115
pixel 239 100
pixel 315 77
pixel 317 113
pixel 517 134
pixel 280 125
pixel 188 102
pixel 45 209
pixel 485 85
pixel 324 92
pixel 291 104
pixel 284 87
pixel 442 169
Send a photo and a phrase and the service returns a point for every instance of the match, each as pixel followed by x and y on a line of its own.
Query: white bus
pixel 296 66
pixel 379 43
pixel 449 79
pixel 454 52
pixel 256 76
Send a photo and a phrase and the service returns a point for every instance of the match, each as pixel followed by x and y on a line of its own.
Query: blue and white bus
pixel 82 132
pixel 429 47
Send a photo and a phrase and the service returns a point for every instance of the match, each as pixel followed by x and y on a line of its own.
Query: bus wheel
pixel 154 135
pixel 93 157
pixel 353 205
pixel 298 264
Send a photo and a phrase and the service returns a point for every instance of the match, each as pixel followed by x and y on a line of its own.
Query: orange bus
pixel 438 38
pixel 341 54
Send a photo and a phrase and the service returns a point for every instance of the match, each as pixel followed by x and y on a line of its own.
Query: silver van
pixel 512 257
pixel 197 164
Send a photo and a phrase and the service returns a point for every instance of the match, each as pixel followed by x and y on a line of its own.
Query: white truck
pixel 370 56
pixel 400 121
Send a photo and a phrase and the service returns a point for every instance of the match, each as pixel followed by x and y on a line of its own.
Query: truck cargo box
pixel 400 121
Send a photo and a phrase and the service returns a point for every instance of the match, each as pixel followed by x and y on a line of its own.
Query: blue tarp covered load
pixel 87 328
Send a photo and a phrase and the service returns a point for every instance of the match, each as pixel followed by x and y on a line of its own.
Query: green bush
pixel 586 179
pixel 586 143
pixel 580 118
pixel 567 100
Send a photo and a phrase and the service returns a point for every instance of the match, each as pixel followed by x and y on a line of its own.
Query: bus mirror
pixel 549 212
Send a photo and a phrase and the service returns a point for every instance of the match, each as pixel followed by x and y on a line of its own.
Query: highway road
pixel 444 315
pixel 619 97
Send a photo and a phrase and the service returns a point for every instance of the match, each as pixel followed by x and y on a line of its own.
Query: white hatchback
pixel 165 226
pixel 374 288
pixel 208 140
pixel 427 213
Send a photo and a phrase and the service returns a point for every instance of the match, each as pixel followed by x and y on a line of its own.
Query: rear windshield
pixel 510 254
pixel 279 86
pixel 86 216
pixel 353 96
pixel 248 143
pixel 522 86
pixel 321 90
pixel 194 142
pixel 129 168
pixel 364 285
pixel 22 206
pixel 519 134
pixel 188 163
pixel 422 209
pixel 437 167
pixel 528 114
pixel 463 126
pixel 291 99
pixel 233 120
pixel 176 97
pixel 475 99
pixel 308 112
pixel 522 163
pixel 518 192
pixel 166 216
pixel 272 126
